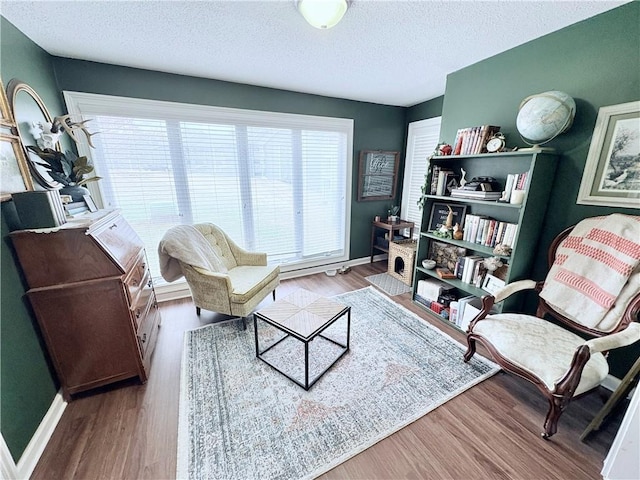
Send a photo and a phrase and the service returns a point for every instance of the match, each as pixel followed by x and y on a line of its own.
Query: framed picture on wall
pixel 14 171
pixel 611 176
pixel 377 175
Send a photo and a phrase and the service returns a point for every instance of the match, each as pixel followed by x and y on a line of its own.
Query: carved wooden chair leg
pixel 471 350
pixel 556 407
pixel 198 311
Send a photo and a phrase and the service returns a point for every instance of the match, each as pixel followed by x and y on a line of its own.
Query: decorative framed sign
pixel 378 175
pixel 91 205
pixel 440 212
pixel 611 176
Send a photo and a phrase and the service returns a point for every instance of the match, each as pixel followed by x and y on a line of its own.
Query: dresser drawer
pixel 119 241
pixel 148 331
pixel 138 282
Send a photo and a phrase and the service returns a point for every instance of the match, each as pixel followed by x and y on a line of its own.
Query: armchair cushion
pixel 540 347
pixel 247 281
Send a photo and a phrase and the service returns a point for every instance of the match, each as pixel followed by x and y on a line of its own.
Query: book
pixel 445 273
pixel 444 177
pixel 508 187
pixel 489 235
pixel 476 194
pixel 435 174
pixel 468 268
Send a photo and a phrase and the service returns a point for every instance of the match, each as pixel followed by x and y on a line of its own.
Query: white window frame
pixel 80 102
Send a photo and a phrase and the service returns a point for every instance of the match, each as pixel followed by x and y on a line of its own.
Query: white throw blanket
pixel 186 244
pixel 592 266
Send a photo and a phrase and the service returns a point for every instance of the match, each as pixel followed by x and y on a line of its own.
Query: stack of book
pixel 515 181
pixel 473 140
pixel 470 269
pixel 76 208
pixel 475 194
pixel 488 231
pixel 443 181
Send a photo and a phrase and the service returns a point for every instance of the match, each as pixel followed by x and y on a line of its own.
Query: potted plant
pixel 393 213
pixel 68 169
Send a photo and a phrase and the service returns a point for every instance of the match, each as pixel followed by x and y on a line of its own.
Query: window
pixel 277 183
pixel 422 139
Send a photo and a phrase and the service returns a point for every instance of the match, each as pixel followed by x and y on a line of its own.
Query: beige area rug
pixel 241 419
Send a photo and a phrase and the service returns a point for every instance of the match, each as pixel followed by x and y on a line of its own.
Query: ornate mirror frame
pixel 15 88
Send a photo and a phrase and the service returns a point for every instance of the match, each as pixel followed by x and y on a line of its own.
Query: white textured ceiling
pixel 388 52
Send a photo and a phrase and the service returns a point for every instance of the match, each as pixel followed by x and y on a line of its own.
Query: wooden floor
pixel 490 431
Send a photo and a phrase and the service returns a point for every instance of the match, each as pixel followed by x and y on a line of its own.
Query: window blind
pixel 422 139
pixel 276 183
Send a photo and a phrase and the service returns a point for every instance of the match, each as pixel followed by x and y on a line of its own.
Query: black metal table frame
pixel 289 333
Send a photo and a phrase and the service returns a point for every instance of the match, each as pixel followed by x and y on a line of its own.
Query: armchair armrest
pixel 629 335
pixel 512 288
pixel 244 257
pixel 489 300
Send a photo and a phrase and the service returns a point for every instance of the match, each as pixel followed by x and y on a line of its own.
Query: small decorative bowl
pixel 428 264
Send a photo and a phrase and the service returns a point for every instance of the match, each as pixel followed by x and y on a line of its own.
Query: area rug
pixel 241 419
pixel 388 284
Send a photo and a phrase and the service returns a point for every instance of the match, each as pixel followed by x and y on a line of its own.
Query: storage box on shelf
pixel 517 225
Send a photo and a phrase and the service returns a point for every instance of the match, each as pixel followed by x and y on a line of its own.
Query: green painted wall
pixel 376 127
pixel 27 385
pixel 597 62
pixel 429 109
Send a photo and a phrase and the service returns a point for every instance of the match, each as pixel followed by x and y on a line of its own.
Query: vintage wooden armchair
pixel 592 290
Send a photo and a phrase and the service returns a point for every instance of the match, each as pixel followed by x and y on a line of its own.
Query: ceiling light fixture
pixel 322 13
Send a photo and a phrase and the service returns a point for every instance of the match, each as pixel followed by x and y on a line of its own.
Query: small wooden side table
pixel 390 227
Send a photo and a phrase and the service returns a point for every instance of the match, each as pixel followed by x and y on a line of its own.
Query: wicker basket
pixel 402 257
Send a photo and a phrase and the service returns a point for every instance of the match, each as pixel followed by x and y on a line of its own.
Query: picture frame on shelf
pixel 440 212
pixel 611 175
pixel 91 205
pixel 492 283
pixel 378 175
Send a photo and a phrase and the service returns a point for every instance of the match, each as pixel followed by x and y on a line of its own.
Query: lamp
pixel 322 13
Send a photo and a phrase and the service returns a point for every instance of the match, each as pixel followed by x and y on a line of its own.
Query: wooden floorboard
pixel 492 431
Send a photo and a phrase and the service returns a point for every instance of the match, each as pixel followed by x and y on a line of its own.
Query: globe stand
pixel 537 149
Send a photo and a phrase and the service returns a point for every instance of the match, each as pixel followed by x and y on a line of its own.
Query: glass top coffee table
pixel 299 320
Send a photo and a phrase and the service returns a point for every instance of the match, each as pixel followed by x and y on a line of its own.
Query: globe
pixel 544 116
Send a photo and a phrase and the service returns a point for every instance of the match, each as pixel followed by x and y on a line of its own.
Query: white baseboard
pixel 180 290
pixel 611 382
pixel 8 467
pixel 38 442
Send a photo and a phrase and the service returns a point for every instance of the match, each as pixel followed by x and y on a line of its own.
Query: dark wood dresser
pixel 92 293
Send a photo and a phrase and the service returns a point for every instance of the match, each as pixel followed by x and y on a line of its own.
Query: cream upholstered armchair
pixel 222 277
pixel 592 288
